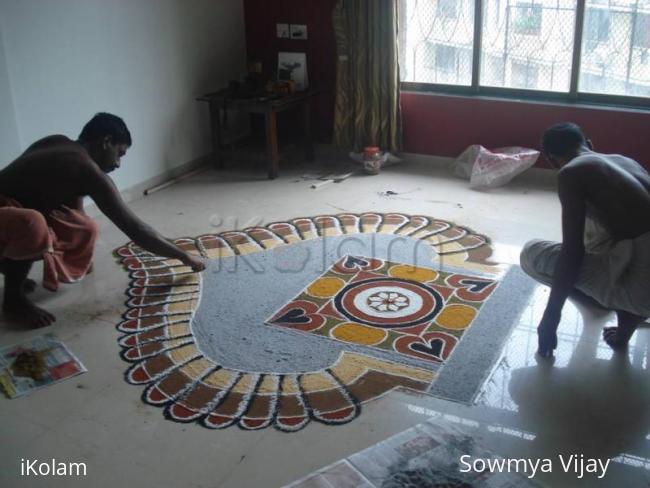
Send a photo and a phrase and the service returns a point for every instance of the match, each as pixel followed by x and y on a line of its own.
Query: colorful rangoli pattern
pixel 409 310
pixel 164 294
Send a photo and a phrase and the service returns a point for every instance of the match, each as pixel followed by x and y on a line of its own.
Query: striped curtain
pixel 367 111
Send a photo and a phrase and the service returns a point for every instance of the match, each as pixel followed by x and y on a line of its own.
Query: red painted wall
pixel 445 125
pixel 261 42
pixel 436 124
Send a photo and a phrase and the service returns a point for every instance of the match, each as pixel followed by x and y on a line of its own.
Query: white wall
pixel 9 143
pixel 144 60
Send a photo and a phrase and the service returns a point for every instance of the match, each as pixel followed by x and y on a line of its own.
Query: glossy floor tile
pixel 588 401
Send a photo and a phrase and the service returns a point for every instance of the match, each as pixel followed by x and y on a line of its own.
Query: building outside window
pixel 642 31
pixel 527 18
pixel 447 9
pixel 597 25
pixel 614 57
pixel 446 58
pixel 524 75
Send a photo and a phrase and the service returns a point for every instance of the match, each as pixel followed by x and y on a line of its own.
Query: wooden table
pixel 267 106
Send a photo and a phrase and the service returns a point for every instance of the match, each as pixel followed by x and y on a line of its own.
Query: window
pixel 528 45
pixel 616 58
pixel 597 25
pixel 447 9
pixel 528 19
pixel 446 57
pixel 494 74
pixel 524 75
pixel 642 30
pixel 424 26
pixel 521 36
pixel 447 64
pixel 593 82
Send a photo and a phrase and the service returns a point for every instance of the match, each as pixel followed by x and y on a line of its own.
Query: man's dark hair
pixel 562 139
pixel 104 124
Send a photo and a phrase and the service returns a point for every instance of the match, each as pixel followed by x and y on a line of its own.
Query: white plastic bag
pixel 462 166
pixel 490 169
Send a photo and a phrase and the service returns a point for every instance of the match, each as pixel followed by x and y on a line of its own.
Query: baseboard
pixel 426 159
pixel 333 152
pixel 135 192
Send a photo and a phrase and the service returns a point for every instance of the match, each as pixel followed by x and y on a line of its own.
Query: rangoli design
pixel 411 312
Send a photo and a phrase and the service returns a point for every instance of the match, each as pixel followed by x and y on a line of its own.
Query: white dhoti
pixel 615 274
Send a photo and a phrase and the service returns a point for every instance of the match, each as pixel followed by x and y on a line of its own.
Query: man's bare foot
pixel 23 310
pixel 617 338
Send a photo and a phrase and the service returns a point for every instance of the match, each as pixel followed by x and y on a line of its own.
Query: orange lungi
pixel 64 239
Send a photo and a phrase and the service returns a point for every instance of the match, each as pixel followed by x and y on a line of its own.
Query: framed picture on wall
pixel 293 66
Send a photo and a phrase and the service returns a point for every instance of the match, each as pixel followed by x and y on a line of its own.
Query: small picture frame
pixel 282 31
pixel 293 66
pixel 298 31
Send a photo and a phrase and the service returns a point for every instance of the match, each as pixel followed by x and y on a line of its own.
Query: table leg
pixel 215 126
pixel 272 144
pixel 306 123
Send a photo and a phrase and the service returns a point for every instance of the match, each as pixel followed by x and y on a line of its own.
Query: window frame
pixel 573 96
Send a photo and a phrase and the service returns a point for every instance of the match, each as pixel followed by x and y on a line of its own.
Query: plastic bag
pixel 462 166
pixel 490 169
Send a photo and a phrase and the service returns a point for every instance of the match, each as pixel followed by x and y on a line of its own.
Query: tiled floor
pixel 589 401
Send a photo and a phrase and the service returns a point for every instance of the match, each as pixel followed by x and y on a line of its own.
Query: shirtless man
pixel 41 212
pixel 605 249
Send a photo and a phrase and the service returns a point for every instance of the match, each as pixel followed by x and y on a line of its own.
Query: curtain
pixel 367 111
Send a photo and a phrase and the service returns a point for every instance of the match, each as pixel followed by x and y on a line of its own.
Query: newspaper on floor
pixel 425 455
pixel 36 364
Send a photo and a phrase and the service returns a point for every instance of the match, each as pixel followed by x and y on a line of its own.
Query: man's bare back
pixel 615 191
pixel 615 188
pixel 55 173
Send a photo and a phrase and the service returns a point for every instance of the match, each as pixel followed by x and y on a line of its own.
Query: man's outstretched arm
pixel 567 268
pixel 104 193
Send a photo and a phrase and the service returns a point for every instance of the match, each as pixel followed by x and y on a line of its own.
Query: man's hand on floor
pixel 197 264
pixel 547 333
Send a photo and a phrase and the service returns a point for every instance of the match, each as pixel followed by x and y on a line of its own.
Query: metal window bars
pixel 528 48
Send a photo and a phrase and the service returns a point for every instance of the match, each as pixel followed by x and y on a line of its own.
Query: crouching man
pixel 42 218
pixel 605 248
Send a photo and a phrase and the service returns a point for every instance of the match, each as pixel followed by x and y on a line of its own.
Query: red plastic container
pixel 370 152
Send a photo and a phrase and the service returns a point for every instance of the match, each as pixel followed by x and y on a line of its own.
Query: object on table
pixel 492 168
pixel 281 87
pixel 293 66
pixel 36 364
